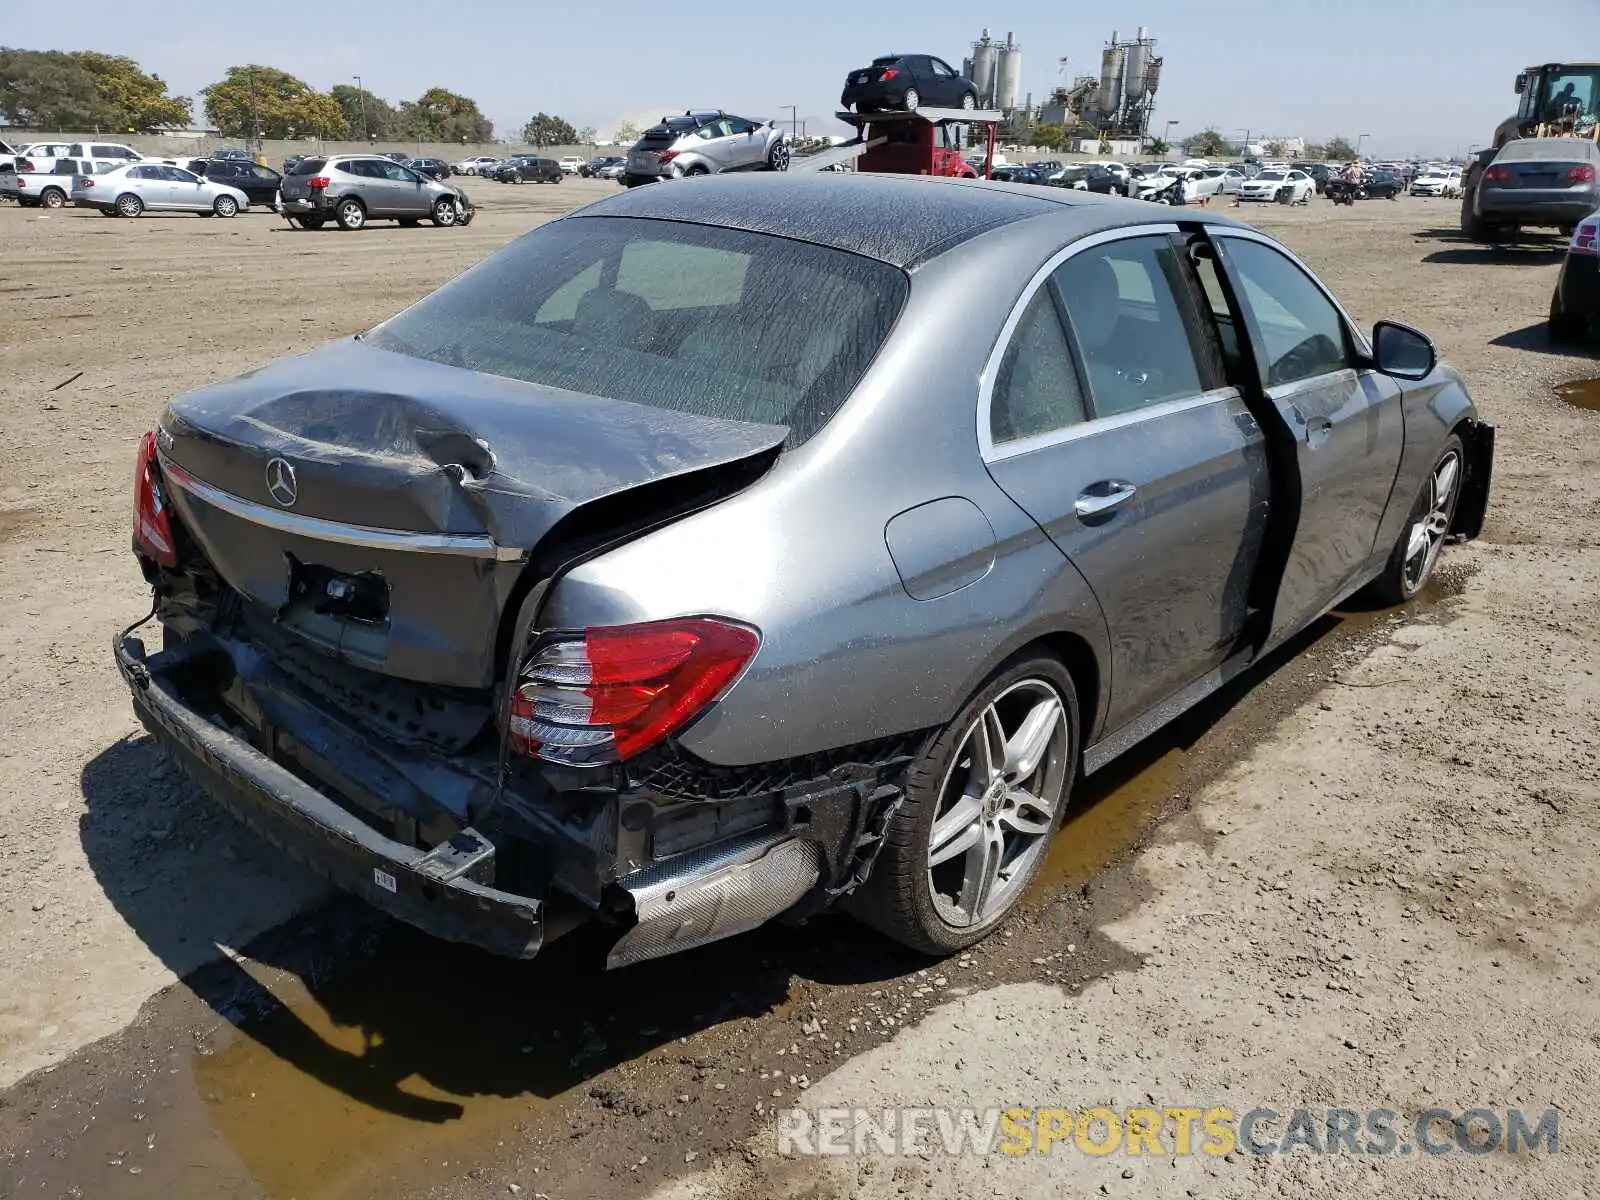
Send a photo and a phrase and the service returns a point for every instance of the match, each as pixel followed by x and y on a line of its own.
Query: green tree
pixel 1156 146
pixel 83 90
pixel 544 130
pixel 627 131
pixel 365 113
pixel 1208 143
pixel 1339 149
pixel 439 115
pixel 587 135
pixel 140 101
pixel 269 103
pixel 1315 151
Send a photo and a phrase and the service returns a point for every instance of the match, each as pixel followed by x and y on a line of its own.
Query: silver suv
pixel 706 143
pixel 352 189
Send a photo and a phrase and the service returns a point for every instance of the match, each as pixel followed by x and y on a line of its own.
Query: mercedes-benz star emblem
pixel 280 482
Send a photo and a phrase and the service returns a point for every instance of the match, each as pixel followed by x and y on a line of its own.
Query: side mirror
pixel 1401 351
pixel 1522 83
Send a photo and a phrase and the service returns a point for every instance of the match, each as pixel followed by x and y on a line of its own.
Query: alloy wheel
pixel 1428 532
pixel 130 205
pixel 998 803
pixel 913 99
pixel 780 157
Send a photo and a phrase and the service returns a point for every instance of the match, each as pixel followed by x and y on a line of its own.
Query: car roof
pixel 903 220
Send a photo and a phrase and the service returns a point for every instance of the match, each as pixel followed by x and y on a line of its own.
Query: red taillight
pixel 890 73
pixel 1582 173
pixel 21 183
pixel 318 183
pixel 25 164
pixel 152 528
pixel 1497 175
pixel 1586 237
pixel 604 695
pixel 85 182
pixel 666 156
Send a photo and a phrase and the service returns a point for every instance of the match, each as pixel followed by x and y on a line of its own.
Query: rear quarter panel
pixel 847 654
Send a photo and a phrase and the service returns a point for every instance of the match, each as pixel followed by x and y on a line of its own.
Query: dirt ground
pixel 1365 877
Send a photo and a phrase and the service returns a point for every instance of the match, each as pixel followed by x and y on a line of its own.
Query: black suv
pixel 528 168
pixel 908 82
pixel 259 183
pixel 433 168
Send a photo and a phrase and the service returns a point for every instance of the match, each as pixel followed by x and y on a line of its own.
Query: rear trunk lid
pixel 385 507
pixel 871 73
pixel 297 179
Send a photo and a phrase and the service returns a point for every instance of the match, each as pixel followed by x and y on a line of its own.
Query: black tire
pixel 1473 227
pixel 53 197
pixel 912 100
pixel 969 100
pixel 409 222
pixel 129 205
pixel 1398 584
pixel 695 171
pixel 108 212
pixel 897 899
pixel 351 214
pixel 312 222
pixel 225 207
pixel 780 156
pixel 444 212
pixel 1565 328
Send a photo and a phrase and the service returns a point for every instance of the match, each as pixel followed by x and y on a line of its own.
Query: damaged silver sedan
pixel 746 549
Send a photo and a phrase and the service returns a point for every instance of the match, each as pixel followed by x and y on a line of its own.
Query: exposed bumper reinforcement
pixel 432 890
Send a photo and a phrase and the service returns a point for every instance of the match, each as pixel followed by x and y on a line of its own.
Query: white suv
pixel 571 164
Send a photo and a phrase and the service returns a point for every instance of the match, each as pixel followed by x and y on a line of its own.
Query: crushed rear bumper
pixel 435 890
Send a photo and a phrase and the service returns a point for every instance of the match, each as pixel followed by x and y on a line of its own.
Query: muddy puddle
pixel 1113 812
pixel 1581 393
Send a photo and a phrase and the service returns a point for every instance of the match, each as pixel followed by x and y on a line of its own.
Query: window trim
pixel 988 450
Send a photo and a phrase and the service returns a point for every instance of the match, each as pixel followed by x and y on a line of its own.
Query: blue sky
pixel 1418 75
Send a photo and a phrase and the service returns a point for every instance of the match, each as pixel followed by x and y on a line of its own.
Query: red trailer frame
pixel 924 142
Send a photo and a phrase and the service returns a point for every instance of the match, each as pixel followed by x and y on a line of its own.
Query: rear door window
pixel 1037 390
pixel 1138 337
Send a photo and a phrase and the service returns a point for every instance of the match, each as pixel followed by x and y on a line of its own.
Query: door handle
pixel 1102 497
pixel 1317 431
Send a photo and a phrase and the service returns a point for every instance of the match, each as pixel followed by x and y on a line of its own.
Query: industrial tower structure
pixel 1116 103
pixel 997 71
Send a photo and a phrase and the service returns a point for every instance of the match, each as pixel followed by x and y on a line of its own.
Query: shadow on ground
pixel 1536 338
pixel 470 1025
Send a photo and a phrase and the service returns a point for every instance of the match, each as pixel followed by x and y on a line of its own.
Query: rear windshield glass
pixel 308 166
pixel 1547 150
pixel 700 319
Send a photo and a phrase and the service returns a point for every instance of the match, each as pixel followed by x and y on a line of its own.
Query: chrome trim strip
pixel 1043 441
pixel 461 545
pixel 991 369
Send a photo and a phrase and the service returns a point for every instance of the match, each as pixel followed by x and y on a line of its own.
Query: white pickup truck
pixel 25 174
